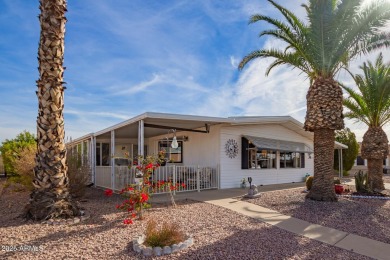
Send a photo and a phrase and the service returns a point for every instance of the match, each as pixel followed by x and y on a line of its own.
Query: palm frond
pixel 361 33
pixel 291 18
pixel 289 58
pixel 278 34
pixel 371 104
pixel 320 19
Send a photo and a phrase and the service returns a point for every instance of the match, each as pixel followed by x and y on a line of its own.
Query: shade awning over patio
pixel 278 145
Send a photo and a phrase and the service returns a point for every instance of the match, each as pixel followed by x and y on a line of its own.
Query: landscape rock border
pixel 70 221
pixel 158 251
pixel 364 197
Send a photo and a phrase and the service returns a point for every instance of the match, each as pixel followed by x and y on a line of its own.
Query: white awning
pixel 278 145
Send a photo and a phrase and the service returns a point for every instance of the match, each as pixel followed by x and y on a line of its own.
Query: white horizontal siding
pixel 200 149
pixel 231 172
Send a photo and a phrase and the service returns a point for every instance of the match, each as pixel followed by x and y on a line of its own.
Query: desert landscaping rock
pixel 175 248
pixel 157 251
pixel 218 233
pixel 167 250
pixel 367 217
pixel 147 251
pixel 136 247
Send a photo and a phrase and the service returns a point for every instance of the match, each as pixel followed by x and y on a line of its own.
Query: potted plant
pixel 243 183
pixel 161 157
pixel 338 188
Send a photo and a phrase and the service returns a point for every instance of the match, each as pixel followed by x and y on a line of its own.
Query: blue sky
pixel 124 58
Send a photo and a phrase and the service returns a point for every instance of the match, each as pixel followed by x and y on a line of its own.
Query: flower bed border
pixel 158 251
pixel 364 197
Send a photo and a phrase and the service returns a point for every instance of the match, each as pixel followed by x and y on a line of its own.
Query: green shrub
pixel 309 182
pixel 167 235
pixel 10 150
pixel 361 182
pixel 24 166
pixel 79 174
pixel 19 183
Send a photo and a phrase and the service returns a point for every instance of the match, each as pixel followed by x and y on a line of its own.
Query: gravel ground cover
pixel 218 234
pixel 363 217
pixel 386 178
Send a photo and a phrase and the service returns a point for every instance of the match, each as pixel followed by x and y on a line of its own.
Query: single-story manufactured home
pixel 202 152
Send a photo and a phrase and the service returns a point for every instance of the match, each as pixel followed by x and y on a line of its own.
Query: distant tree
pixel 345 136
pixel 10 150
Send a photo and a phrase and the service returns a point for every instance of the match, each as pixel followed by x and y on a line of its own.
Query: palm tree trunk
pixel 375 174
pixel 375 149
pixel 323 184
pixel 324 114
pixel 51 198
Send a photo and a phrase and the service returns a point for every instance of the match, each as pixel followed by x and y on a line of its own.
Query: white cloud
pixel 234 62
pixel 139 87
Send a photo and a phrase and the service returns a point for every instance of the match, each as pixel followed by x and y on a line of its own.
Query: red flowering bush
pixel 138 195
pixel 108 192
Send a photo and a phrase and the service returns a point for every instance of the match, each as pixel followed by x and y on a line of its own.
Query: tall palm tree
pixel 371 105
pixel 336 31
pixel 51 198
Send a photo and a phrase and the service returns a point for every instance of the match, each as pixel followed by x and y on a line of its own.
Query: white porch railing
pixel 188 178
pixel 103 176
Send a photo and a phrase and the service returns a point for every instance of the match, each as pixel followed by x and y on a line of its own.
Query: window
pixel 98 163
pixel 292 160
pixel 103 157
pixel 259 154
pixel 359 161
pixel 172 155
pixel 105 154
pixel 261 159
pixel 135 152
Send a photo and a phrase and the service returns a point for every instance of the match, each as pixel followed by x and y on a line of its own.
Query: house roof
pixel 129 128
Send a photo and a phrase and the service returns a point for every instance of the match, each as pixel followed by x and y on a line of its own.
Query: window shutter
pixel 244 153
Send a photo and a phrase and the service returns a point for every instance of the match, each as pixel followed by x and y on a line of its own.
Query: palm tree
pixel 371 105
pixel 337 31
pixel 51 198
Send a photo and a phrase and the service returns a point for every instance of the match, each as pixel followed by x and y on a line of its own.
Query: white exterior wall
pixel 231 172
pixel 200 149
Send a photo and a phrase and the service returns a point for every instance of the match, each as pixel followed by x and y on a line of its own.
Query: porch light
pixel 174 144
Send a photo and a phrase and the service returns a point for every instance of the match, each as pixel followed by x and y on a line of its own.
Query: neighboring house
pixel 361 164
pixel 212 152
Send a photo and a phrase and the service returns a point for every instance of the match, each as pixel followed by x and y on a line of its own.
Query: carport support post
pixel 341 163
pixel 338 157
pixel 141 139
pixel 112 160
pixel 198 178
pixel 92 162
pixel 174 177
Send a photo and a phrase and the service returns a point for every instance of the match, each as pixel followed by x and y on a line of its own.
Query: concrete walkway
pixel 226 198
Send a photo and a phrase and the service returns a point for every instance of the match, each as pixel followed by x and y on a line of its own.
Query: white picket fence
pixel 187 178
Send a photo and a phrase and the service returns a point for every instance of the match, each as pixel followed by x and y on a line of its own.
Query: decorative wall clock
pixel 231 148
